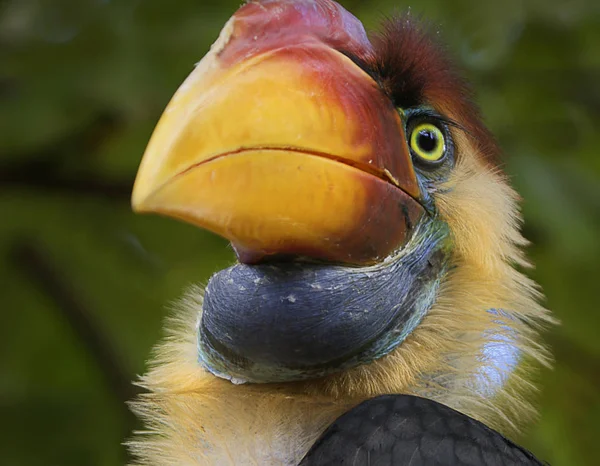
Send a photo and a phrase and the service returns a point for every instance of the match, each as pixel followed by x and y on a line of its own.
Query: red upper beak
pixel 282 144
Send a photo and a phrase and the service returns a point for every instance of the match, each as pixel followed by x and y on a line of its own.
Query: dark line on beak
pixel 382 174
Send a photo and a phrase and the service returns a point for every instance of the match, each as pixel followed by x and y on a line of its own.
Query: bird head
pixel 375 233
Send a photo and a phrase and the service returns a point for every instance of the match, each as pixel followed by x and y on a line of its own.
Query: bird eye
pixel 427 142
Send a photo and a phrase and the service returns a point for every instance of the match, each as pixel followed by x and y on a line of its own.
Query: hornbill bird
pixel 376 313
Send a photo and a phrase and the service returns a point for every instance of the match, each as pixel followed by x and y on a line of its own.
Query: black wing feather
pixel 409 430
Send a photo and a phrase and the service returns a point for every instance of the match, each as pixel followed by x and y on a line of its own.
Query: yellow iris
pixel 427 142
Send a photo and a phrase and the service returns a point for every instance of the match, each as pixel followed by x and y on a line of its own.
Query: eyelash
pixel 427 114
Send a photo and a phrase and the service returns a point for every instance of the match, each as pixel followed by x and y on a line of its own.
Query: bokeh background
pixel 84 282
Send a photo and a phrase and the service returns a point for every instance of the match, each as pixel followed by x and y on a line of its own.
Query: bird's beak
pixel 283 145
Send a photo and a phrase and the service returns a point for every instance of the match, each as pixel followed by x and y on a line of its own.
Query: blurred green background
pixel 85 282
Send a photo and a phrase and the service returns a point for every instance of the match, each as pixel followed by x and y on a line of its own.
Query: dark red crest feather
pixel 414 69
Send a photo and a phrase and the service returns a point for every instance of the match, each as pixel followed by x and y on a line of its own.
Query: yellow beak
pixel 290 150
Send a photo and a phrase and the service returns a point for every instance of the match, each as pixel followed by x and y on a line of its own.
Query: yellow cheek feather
pixel 195 418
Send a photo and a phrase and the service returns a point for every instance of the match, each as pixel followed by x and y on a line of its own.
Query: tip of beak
pixel 138 197
pixel 138 206
pixel 142 194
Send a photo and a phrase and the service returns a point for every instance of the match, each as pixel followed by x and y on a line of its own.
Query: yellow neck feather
pixel 194 418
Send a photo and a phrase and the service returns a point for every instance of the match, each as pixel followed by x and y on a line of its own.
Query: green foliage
pixel 82 84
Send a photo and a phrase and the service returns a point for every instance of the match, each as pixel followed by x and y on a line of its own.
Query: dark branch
pixel 45 168
pixel 44 275
pixel 30 175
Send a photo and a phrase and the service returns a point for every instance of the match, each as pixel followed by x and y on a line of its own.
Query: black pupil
pixel 427 140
